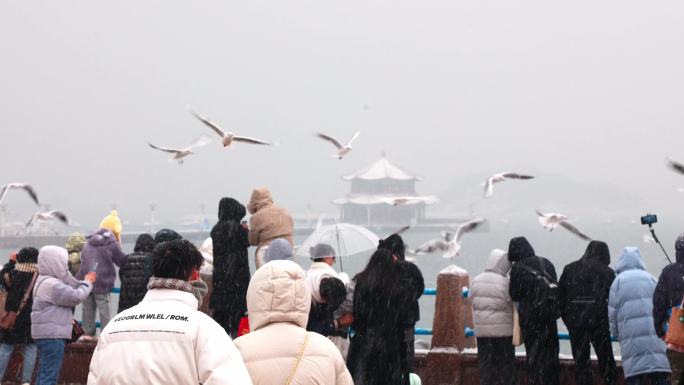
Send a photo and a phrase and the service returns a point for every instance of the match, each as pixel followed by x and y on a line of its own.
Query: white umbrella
pixel 345 238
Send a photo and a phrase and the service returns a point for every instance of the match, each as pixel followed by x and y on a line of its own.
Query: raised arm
pixel 68 296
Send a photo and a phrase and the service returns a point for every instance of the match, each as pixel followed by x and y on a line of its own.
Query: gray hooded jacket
pixel 492 305
pixel 55 294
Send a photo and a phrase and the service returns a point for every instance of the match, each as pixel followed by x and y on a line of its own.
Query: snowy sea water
pixel 559 246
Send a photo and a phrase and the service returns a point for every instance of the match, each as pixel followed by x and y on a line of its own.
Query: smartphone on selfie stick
pixel 650 219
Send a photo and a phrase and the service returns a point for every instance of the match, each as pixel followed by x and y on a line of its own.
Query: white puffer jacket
pixel 278 301
pixel 165 340
pixel 492 305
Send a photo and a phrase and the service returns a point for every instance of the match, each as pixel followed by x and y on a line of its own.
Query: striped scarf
pixel 26 267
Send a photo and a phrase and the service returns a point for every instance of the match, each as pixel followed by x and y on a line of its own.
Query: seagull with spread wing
pixel 676 166
pixel 227 138
pixel 48 216
pixel 180 153
pixel 450 242
pixel 18 186
pixel 550 221
pixel 407 200
pixel 502 177
pixel 342 149
pixel 454 245
pixel 434 245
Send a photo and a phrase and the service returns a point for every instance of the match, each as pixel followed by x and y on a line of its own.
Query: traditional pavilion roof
pixel 382 169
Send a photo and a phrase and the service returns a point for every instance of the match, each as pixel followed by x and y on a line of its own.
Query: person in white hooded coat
pixel 279 350
pixel 493 319
pixel 165 339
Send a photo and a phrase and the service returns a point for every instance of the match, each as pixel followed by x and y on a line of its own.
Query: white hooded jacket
pixel 278 301
pixel 492 305
pixel 165 340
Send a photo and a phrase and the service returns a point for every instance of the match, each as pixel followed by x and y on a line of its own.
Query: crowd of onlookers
pixel 198 315
pixel 518 300
pixel 287 325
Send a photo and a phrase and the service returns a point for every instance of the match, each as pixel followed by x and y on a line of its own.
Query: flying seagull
pixel 676 166
pixel 180 153
pixel 450 242
pixel 550 221
pixel 502 177
pixel 227 138
pixel 15 186
pixel 402 200
pixel 454 245
pixel 342 149
pixel 434 245
pixel 47 216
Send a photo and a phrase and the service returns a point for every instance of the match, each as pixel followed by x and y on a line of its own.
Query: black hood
pixel 144 244
pixel 679 247
pixel 598 251
pixel 519 248
pixel 231 210
pixel 165 235
pixel 395 245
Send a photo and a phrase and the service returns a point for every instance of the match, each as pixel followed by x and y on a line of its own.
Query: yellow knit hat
pixel 112 223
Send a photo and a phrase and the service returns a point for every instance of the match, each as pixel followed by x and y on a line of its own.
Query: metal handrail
pixel 469 332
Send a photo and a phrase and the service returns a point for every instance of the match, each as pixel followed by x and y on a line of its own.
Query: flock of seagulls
pixel 228 138
pixel 450 242
pixel 38 216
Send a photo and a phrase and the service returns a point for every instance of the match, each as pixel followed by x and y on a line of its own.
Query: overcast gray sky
pixel 586 93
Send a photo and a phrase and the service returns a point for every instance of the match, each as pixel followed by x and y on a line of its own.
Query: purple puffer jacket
pixel 54 296
pixel 102 249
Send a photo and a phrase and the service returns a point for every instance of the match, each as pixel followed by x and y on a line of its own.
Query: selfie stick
pixel 655 238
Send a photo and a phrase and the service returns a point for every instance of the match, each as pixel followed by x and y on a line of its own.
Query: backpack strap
pixel 29 289
pixel 541 274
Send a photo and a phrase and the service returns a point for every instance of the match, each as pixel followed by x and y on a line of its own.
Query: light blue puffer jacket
pixel 630 310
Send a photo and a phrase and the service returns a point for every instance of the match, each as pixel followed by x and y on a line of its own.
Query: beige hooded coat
pixel 278 301
pixel 268 221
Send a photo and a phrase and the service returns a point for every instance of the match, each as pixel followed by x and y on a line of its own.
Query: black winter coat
pixel 19 282
pixel 231 266
pixel 668 293
pixel 134 276
pixel 377 353
pixel 525 287
pixel 412 279
pixel 584 289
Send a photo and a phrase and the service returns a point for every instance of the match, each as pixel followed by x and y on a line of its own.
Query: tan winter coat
pixel 278 301
pixel 268 221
